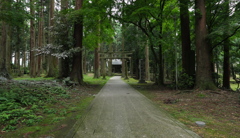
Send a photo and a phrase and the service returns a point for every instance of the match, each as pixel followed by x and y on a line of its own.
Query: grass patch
pixel 234 86
pixel 36 110
pixel 88 78
pixel 27 77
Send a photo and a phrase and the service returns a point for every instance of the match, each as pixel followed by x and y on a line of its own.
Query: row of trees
pixel 199 38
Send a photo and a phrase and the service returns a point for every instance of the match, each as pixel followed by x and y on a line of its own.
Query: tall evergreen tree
pixel 4 7
pixel 226 47
pixel 188 55
pixel 76 73
pixel 203 73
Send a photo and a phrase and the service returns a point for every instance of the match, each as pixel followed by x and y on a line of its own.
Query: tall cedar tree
pixel 32 41
pixel 3 42
pixel 188 55
pixel 226 58
pixel 64 69
pixel 76 73
pixel 52 61
pixel 204 79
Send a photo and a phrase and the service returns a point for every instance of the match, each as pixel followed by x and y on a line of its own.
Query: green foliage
pixel 13 13
pixel 22 103
pixel 185 81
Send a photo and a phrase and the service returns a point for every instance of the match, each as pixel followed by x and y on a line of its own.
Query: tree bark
pixel 233 72
pixel 3 46
pixel 85 61
pixel 97 55
pixel 226 58
pixel 40 39
pixel 96 63
pixel 64 69
pixel 52 61
pixel 147 71
pixel 9 51
pixel 188 55
pixel 110 61
pixel 204 79
pixel 32 41
pixel 76 73
pixel 123 60
pixel 160 53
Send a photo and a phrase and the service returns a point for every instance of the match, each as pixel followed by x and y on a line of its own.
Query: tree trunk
pixel 85 61
pixel 96 63
pixel 110 61
pixel 17 51
pixel 76 73
pixel 204 79
pixel 226 59
pixel 147 71
pixel 3 46
pixel 104 69
pixel 160 53
pixel 52 61
pixel 32 41
pixel 123 60
pixel 188 55
pixel 64 68
pixel 226 66
pixel 233 72
pixel 9 51
pixel 17 63
pixel 40 39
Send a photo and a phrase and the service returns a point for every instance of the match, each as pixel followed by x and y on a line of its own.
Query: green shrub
pixel 21 103
pixel 185 81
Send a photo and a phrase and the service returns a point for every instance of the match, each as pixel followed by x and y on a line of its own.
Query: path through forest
pixel 119 111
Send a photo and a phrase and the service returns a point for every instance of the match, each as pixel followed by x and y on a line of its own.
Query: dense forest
pixel 191 44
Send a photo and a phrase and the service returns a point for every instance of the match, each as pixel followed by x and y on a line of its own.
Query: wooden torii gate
pixel 117 55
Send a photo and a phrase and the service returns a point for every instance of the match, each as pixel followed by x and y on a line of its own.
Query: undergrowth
pixel 24 104
pixel 40 107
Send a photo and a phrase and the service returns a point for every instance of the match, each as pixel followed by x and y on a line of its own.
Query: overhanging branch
pixel 234 32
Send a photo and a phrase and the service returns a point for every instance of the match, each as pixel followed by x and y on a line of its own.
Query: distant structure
pixel 117 66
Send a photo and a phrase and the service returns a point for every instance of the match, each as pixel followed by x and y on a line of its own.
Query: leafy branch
pixel 227 37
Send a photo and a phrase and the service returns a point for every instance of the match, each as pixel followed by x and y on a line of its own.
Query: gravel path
pixel 119 111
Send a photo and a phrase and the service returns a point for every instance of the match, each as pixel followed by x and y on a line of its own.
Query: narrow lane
pixel 119 111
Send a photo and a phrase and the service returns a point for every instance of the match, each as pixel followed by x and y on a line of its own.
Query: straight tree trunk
pixel 188 55
pixel 76 73
pixel 123 60
pixel 40 39
pixel 3 46
pixel 204 79
pixel 97 55
pixel 85 62
pixel 226 58
pixel 103 65
pixel 64 69
pixel 17 63
pixel 110 60
pixel 123 44
pixel 24 59
pixel 96 63
pixel 161 62
pixel 9 51
pixel 17 52
pixel 32 41
pixel 52 61
pixel 147 71
pixel 233 72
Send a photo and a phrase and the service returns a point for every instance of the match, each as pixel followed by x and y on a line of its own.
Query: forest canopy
pixel 67 38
